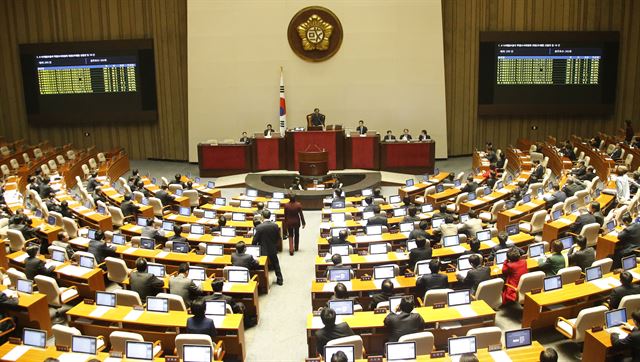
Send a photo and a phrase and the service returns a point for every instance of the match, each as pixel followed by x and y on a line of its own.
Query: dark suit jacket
pixel 628 241
pixel 317 119
pixel 580 171
pixel 413 234
pixel 431 281
pixel 267 236
pixel 418 254
pixel 101 250
pixel 377 220
pixel 35 266
pixel 616 154
pixel 620 292
pixel 559 196
pixel 581 221
pixel 45 190
pixel 201 326
pixel 405 137
pixel 469 187
pixel 389 138
pixel 146 284
pixel 587 176
pixel 362 129
pixel 165 197
pixel 184 287
pixel 128 208
pixel 293 215
pixel 599 217
pixel 475 277
pixel 244 260
pixel 422 137
pixel 632 341
pixel 538 172
pixel 377 298
pixel 178 238
pixel 266 131
pixel 328 333
pixel 335 240
pixel 583 258
pixel 92 184
pixel 403 323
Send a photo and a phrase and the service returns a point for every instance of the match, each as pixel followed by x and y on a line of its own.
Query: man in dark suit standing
pixel 241 258
pixel 631 341
pixel 434 280
pixel 404 322
pixel 317 118
pixel 538 171
pixel 34 266
pixel 164 196
pixel 267 236
pixel 269 130
pixel 422 251
pixel 476 275
pixel 626 288
pixel 331 330
pixel 362 129
pixel 377 218
pixel 99 248
pixel 144 283
pixel 389 137
pixel 128 207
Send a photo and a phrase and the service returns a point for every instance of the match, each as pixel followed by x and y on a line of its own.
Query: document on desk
pixel 328 287
pixel 21 258
pixel 316 323
pixel 500 356
pixel 368 238
pixel 564 220
pixel 376 258
pixel 73 357
pixel 210 258
pixel 99 311
pixel 531 204
pixel 620 331
pixel 635 275
pixel 217 320
pixel 172 217
pixel 606 283
pixel 378 283
pixel 466 311
pixel 162 254
pixel 458 249
pixel 89 213
pixel 81 241
pixel 325 225
pixel 222 239
pixel 490 243
pixel 17 352
pixel 130 250
pixel 76 271
pixel 133 315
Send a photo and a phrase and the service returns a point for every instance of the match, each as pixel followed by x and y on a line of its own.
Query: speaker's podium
pixel 313 161
pixel 269 152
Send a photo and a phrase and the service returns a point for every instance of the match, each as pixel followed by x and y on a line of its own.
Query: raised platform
pixel 270 182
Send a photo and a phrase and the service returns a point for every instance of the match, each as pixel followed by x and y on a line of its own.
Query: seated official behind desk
pixel 315 119
pixel 361 129
pixel 405 322
pixel 331 330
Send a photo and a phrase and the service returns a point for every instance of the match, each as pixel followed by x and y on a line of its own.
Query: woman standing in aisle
pixel 293 218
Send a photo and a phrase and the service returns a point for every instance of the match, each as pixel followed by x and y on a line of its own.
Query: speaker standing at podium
pixel 317 118
pixel 362 129
pixel 269 130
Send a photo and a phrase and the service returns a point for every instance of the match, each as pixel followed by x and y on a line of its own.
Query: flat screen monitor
pixel 629 262
pixel 185 211
pixel 384 272
pixel 339 274
pixel 51 220
pixel 374 230
pixel 513 229
pixel 377 248
pixel 273 205
pixel 238 216
pixel 552 283
pixel 179 192
pixel 91 234
pixel 501 256
pixel 593 273
pixel 252 193
pixel 58 255
pixel 215 249
pixel 616 317
pixel 399 212
pixel 278 195
pixel 87 262
pixel 394 302
pixel 517 338
pixel 557 214
pixel 409 182
pixel 196 353
pixel 215 308
pixel 342 250
pixel 146 243
pixel 253 250
pixel 342 307
pixel 367 192
pixel 464 217
pixel 406 227
pixel 338 217
pixel 34 338
pixel 367 215
pixel 426 208
pixel 84 344
pixel 106 299
pixel 337 204
pixel 395 199
pixel 139 350
pixel 460 297
pixel 180 247
pixel 238 276
pixel 196 229
pixel 439 188
pixel 156 269
pixel 197 274
pixel 471 196
pixel 245 203
pixel 451 240
pixel 211 185
pixel 463 263
pixel 462 345
pixel 24 286
pixel 228 231
pixel 536 250
pixel 220 201
pixel 400 351
pixel 335 232
pixel 436 222
pixel 611 225
pixel 509 204
pixel 526 198
pixel 423 267
pixel 457 183
pixel 483 235
pixel 567 242
pixel 167 226
pixel 209 214
pixel 155 304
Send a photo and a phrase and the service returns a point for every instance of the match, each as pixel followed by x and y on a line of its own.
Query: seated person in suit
pixel 557 196
pixel 434 280
pixel 628 240
pixel 389 137
pixel 340 292
pixel 164 196
pixel 269 130
pixel 594 209
pixel 626 288
pixel 555 262
pixel 65 211
pixel 368 201
pixel 177 234
pixel 572 186
pixel 336 260
pixel 442 212
pixel 377 218
pixel 241 258
pixel 579 170
pixel 151 231
pixel 222 222
pixel 377 194
pixel 134 178
pixel 244 139
pixel 616 154
pixel 423 135
pixel 361 129
pixel 317 118
pixel 472 225
pixel 411 216
pixel 183 286
pixel 97 195
pixel 144 283
pixel 512 269
pixel 177 180
pixel 420 231
pixel 493 178
pixel 386 291
pixel 470 186
pixel 474 246
pixel 100 249
pixel 259 208
pixel 582 220
pixel 340 239
pixel 503 243
pixel 422 251
pixel 404 322
pixel 405 136
pixel 217 286
pixel 92 182
pixel 34 266
pixel 199 323
pixel 331 330
pixel 549 355
pixel 537 171
pixel 478 274
pixel 63 242
pixel 128 207
pixel 631 341
pixel 581 254
pixel 589 175
pixel 448 228
pixel 45 189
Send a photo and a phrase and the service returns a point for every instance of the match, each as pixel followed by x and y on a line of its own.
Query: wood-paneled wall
pixel 464 19
pixel 34 21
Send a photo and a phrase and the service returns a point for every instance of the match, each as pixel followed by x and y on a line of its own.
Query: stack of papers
pixel 99 311
pixel 133 315
pixel 466 311
pixel 17 352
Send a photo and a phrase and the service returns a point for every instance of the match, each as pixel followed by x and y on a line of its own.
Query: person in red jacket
pixel 293 218
pixel 513 268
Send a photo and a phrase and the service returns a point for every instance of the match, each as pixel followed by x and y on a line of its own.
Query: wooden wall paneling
pixel 31 21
